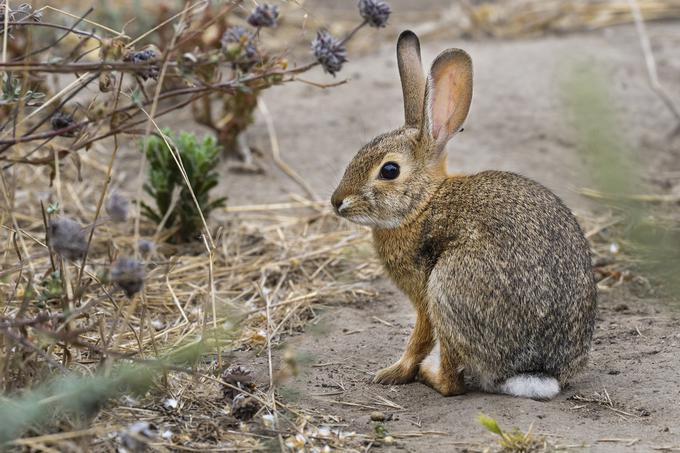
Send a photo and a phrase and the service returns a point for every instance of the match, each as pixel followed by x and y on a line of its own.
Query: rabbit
pixel 496 266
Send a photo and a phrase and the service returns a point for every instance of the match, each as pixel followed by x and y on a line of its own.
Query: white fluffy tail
pixel 534 386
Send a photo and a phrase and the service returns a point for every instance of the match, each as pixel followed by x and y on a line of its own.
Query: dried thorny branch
pixel 225 71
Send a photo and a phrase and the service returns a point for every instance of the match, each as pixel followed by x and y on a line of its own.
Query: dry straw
pixel 88 285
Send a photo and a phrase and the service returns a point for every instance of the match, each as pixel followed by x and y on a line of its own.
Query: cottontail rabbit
pixel 495 264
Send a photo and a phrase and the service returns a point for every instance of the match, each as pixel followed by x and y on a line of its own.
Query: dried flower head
pixel 128 274
pixel 237 376
pixel 106 82
pixel 241 37
pixel 67 238
pixel 148 55
pixel 136 436
pixel 146 246
pixel 63 120
pixel 24 11
pixel 240 46
pixel 264 15
pixel 117 207
pixel 19 14
pixel 375 12
pixel 244 407
pixel 329 52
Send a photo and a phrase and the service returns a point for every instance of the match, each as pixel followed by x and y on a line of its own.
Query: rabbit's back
pixel 510 277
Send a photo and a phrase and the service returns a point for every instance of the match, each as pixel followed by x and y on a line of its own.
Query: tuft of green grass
pixel 514 441
pixel 175 207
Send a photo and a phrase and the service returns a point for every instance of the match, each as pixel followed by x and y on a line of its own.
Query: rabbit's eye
pixel 389 171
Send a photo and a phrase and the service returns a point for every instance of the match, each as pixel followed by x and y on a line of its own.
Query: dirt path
pixel 517 123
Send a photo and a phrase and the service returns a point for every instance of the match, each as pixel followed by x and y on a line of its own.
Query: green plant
pixel 13 92
pixel 199 159
pixel 516 440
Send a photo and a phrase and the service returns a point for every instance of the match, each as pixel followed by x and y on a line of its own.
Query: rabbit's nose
pixel 337 202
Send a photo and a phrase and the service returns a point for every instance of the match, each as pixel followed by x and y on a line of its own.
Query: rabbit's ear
pixel 412 77
pixel 448 94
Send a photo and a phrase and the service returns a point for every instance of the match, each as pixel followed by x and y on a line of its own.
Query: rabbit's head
pixel 395 174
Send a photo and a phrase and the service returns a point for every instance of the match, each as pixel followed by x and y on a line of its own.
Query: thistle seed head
pixel 244 407
pixel 117 207
pixel 67 238
pixel 264 15
pixel 128 274
pixel 62 120
pixel 237 376
pixel 241 37
pixel 375 12
pixel 240 47
pixel 329 52
pixel 144 56
pixel 146 246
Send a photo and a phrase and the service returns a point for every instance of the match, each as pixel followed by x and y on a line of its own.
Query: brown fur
pixel 495 265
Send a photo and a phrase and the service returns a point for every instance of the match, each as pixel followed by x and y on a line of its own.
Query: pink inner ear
pixel 444 104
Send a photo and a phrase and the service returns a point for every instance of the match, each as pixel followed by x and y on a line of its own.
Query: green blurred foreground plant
pixel 82 396
pixel 175 205
pixel 514 441
pixel 649 235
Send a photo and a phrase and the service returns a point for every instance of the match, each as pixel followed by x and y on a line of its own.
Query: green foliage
pixel 514 441
pixel 53 208
pixel 199 159
pixel 490 424
pixel 52 287
pixel 13 92
pixel 74 395
pixel 647 233
pixel 592 112
pixel 380 431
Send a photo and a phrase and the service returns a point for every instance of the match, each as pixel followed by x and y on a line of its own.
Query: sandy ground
pixel 517 123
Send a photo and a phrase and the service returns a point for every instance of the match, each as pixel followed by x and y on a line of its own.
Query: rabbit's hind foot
pixel 448 384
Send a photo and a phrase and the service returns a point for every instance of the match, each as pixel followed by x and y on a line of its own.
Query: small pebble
pixel 377 416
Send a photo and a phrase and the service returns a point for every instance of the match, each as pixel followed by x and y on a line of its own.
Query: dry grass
pixel 530 17
pixel 268 277
pixel 535 18
pixel 69 332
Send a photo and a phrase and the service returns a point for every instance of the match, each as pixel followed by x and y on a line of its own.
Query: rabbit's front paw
pixel 399 373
